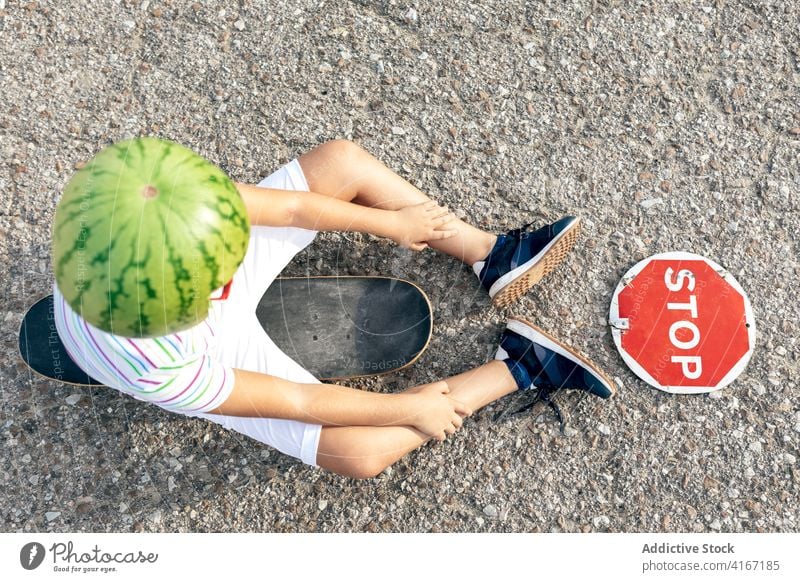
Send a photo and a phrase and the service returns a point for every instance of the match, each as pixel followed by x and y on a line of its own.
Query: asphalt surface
pixel 664 125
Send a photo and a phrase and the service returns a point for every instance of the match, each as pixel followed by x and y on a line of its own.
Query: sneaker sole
pixel 545 265
pixel 558 346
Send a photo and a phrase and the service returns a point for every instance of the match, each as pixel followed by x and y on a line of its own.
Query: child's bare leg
pixel 364 451
pixel 346 171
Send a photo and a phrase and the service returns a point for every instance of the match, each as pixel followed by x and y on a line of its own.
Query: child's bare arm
pixel 260 395
pixel 410 227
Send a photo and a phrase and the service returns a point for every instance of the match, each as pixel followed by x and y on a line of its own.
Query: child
pixel 227 370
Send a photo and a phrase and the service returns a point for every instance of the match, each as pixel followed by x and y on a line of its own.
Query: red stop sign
pixel 682 323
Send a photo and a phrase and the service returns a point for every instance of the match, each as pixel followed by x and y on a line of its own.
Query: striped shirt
pixel 177 372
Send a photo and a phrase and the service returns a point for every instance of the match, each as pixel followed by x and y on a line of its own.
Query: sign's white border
pixel 617 332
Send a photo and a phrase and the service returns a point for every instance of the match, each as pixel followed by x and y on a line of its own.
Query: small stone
pixel 780 350
pixel 239 24
pixel 155 517
pixel 755 446
pixel 759 390
pixel 715 525
pixel 480 521
pixel 26 458
pixel 749 473
pixel 401 500
pixel 604 429
pixel 157 12
pixel 73 399
pixel 601 521
pixel 701 28
pixel 411 15
pixel 570 432
pixel 171 485
pixel 490 511
pixel 52 515
pixel 325 68
pixel 398 130
pixel 789 459
pixel 650 202
pixel 84 505
pixel 323 503
pixel 128 25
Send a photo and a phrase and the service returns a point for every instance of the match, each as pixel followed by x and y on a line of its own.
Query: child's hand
pixel 422 222
pixel 435 413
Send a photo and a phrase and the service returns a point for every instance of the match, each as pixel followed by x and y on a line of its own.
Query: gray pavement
pixel 665 125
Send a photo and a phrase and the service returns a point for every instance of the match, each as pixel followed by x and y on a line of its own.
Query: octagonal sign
pixel 682 323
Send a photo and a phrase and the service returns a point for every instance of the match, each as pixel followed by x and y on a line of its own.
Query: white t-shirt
pixel 177 372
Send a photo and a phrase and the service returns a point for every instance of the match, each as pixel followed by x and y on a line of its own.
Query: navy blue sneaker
pixel 538 360
pixel 521 258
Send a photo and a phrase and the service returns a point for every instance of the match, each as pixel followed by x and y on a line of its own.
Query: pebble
pixel 755 446
pixel 323 503
pixel 52 515
pixel 789 459
pixel 480 521
pixel 749 473
pixel 604 429
pixel 84 505
pixel 780 350
pixel 650 202
pixel 600 521
pixel 570 432
pixel 759 390
pixel 239 24
pixel 155 516
pixel 490 511
pixel 398 130
pixel 715 525
pixel 411 15
pixel 73 399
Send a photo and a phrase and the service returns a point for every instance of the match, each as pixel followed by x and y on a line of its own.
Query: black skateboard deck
pixel 347 327
pixel 335 327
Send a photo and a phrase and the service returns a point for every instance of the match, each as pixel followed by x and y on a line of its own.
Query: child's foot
pixel 536 359
pixel 520 258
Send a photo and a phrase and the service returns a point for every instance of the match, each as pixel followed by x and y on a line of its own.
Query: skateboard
pixel 337 328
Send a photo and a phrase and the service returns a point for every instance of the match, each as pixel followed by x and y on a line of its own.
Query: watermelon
pixel 143 234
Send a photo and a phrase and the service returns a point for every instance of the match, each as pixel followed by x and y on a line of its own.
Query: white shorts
pixel 244 344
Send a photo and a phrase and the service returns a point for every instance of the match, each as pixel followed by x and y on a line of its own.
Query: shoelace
pixel 542 395
pixel 519 233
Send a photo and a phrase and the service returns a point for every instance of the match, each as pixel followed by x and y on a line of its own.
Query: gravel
pixel 666 126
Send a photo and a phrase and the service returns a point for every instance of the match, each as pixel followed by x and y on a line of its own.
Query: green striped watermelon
pixel 143 234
